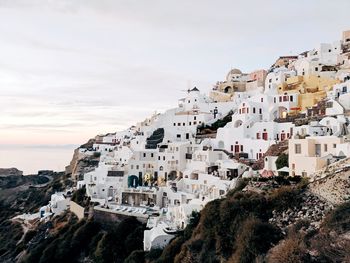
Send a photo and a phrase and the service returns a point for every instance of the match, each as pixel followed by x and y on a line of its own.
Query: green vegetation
pixel 11 233
pixel 282 161
pixel 339 219
pixel 71 240
pixel 96 154
pixel 203 129
pixel 80 198
pixel 234 229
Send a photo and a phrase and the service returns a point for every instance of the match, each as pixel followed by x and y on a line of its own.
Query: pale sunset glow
pixel 70 70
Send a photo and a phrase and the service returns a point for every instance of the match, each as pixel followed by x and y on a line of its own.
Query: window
pixel 152 154
pixel 178 124
pixel 258 135
pixel 174 124
pixel 316 68
pixel 334 145
pixel 190 123
pixel 260 111
pixel 254 110
pixel 178 135
pixel 291 98
pixel 274 100
pixel 195 118
pixel 144 154
pixel 325 147
pixel 297 148
pixel 262 99
pixel 183 124
pixel 137 167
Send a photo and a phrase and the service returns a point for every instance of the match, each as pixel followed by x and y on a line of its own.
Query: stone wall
pixel 78 210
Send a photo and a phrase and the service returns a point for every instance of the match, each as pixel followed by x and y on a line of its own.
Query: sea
pixel 32 158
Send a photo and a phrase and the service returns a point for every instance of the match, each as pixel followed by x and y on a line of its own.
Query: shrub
pixel 282 161
pixel 153 254
pixel 96 154
pixel 338 219
pixel 290 250
pixel 57 186
pixel 29 235
pixel 240 184
pixel 137 256
pixel 331 248
pixel 79 196
pixel 254 239
pixel 171 250
pixel 285 197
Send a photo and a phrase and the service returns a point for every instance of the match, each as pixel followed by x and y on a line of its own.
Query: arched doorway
pixel 238 123
pixel 228 89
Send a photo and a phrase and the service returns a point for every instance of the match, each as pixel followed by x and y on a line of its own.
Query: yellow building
pixel 311 89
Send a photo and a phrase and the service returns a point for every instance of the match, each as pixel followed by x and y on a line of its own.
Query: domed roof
pixel 235 71
pixel 232 72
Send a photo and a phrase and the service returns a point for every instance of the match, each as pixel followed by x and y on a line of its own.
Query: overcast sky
pixel 72 69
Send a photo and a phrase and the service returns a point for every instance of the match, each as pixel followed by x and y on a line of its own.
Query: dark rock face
pixel 10 172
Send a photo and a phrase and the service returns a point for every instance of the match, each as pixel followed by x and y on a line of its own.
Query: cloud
pixel 94 66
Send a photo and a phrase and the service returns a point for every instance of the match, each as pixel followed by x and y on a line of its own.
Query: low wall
pixel 103 215
pixel 77 209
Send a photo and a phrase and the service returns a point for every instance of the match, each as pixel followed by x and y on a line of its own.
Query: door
pixel 283 136
pixel 318 150
pixel 265 135
pixel 236 148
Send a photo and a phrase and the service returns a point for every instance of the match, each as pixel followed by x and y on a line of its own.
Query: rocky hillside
pixel 271 220
pixel 18 195
pixel 283 224
pixel 10 171
pixel 333 183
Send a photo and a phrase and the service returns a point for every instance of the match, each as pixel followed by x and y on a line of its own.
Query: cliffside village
pixel 173 163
